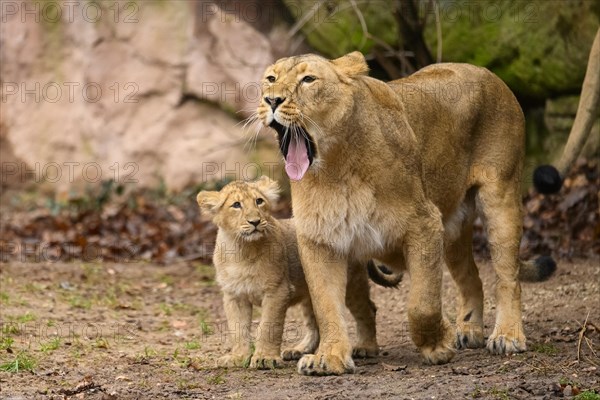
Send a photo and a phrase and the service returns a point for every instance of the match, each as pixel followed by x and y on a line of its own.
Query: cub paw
pixel 325 364
pixel 469 337
pixel 259 361
pixel 506 344
pixel 365 351
pixel 232 361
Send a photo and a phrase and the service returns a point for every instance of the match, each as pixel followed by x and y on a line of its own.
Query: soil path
pixel 120 331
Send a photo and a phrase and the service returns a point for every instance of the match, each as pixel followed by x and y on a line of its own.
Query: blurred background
pixel 115 113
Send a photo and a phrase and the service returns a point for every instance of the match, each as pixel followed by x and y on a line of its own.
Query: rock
pixel 539 48
pixel 568 391
pixel 148 95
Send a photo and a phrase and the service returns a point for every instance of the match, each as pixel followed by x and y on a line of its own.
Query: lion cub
pixel 257 263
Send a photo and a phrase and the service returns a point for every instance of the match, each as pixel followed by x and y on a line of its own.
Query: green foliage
pixel 21 362
pixel 587 395
pixel 334 28
pixel 545 348
pixel 539 48
pixel 50 345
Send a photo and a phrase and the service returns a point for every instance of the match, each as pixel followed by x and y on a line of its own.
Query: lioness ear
pixel 209 201
pixel 268 187
pixel 352 64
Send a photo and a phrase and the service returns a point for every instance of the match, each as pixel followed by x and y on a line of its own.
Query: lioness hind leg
pixel 310 341
pixel 501 205
pixel 363 310
pixel 459 258
pixel 429 329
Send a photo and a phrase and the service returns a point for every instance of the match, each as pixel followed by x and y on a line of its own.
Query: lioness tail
pixel 382 276
pixel 538 270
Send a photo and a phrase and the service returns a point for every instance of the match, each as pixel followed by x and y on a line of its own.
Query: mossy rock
pixel 539 48
pixel 333 28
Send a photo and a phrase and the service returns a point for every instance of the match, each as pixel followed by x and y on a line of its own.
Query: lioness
pixel 257 263
pixel 398 172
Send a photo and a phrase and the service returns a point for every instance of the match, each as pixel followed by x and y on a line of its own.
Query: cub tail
pixel 537 270
pixel 381 275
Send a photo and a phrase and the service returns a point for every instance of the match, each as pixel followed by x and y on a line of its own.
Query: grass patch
pixel 587 395
pixel 21 362
pixel 10 328
pixel 50 345
pixel 217 379
pixel 501 394
pixel 78 301
pixel 4 297
pixel 27 317
pixel 545 348
pixel 192 345
pixel 6 343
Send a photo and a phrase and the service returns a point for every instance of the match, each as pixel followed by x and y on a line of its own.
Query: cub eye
pixel 236 205
pixel 271 78
pixel 308 79
pixel 259 201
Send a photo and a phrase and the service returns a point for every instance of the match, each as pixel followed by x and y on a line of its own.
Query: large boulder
pixel 148 92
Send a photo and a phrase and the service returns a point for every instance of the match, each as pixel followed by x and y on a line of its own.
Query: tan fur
pixel 261 267
pixel 399 172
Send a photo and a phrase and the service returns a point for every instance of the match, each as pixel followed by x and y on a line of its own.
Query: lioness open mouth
pixel 297 147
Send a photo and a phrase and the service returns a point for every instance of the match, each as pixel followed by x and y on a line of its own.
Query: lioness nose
pixel 274 102
pixel 255 222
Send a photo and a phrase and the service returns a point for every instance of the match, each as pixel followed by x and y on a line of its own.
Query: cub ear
pixel 268 187
pixel 209 202
pixel 352 64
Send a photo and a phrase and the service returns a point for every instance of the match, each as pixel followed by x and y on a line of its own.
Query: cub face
pixel 242 209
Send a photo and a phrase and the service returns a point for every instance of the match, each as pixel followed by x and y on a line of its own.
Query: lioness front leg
pixel 270 329
pixel 326 275
pixel 429 329
pixel 239 317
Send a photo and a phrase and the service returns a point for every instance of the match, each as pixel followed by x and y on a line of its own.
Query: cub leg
pixel 310 341
pixel 326 275
pixel 363 310
pixel 270 329
pixel 239 317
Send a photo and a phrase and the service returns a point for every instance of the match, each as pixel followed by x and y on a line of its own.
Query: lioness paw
pixel 441 354
pixel 291 354
pixel 469 337
pixel 265 362
pixel 506 344
pixel 325 364
pixel 365 351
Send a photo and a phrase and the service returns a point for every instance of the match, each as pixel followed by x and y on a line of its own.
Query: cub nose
pixel 274 102
pixel 255 222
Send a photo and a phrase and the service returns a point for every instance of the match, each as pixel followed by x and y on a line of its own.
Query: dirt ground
pixel 134 330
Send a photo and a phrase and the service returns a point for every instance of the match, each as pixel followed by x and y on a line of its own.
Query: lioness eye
pixel 259 201
pixel 271 78
pixel 308 79
pixel 236 205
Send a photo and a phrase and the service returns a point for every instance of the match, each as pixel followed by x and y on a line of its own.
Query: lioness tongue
pixel 296 161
